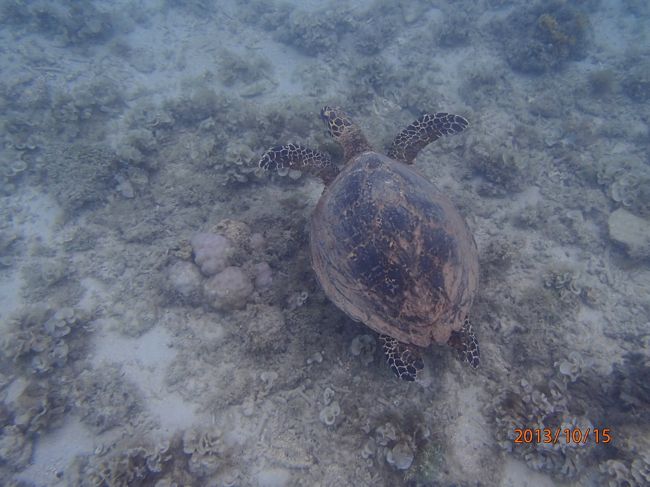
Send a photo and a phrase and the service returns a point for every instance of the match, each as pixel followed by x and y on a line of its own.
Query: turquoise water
pixel 161 321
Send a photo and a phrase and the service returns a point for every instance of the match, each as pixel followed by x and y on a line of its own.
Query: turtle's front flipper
pixel 403 359
pixel 465 342
pixel 294 156
pixel 410 141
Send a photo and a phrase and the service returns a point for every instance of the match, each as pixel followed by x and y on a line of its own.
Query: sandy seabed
pixel 131 129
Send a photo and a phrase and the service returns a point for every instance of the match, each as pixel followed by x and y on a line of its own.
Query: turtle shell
pixel 392 251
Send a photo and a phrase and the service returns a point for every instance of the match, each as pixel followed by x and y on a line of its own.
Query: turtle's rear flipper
pixel 294 156
pixel 403 359
pixel 465 342
pixel 410 141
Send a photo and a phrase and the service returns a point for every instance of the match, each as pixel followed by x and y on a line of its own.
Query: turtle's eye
pixel 325 113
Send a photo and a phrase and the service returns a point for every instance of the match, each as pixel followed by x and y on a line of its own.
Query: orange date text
pixel 573 436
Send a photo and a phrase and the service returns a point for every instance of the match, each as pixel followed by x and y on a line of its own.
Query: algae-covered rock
pixel 630 231
pixel 401 456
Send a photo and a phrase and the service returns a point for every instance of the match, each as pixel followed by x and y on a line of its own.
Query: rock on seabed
pixel 631 231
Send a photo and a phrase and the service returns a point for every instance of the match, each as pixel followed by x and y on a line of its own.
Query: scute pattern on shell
pixel 393 252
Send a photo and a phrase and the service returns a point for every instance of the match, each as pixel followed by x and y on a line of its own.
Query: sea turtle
pixel 388 247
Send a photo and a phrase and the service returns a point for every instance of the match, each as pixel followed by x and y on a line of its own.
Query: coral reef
pixel 66 21
pixel 543 37
pixel 144 122
pixel 601 82
pixel 632 232
pixel 428 464
pixel 199 103
pixel 45 274
pixel 373 37
pixel 15 449
pixel 330 413
pixel 409 449
pixel 11 171
pixel 629 383
pixel 41 340
pixel 238 163
pixel 454 32
pixel 315 32
pixel 629 185
pixel 627 402
pixel 502 168
pixel 566 283
pixel 400 456
pixel 229 273
pixel 41 406
pixel 264 329
pixel 205 449
pixel 211 252
pixel 571 367
pixel 498 256
pixel 185 279
pixel 247 68
pixel 82 111
pixel 542 314
pixel 636 83
pixel 94 167
pixel 190 458
pixel 105 399
pixel 363 346
pixel 263 275
pixel 632 465
pixel 526 406
pixel 229 289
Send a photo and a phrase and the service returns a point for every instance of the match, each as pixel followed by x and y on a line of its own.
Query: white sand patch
pixel 95 293
pixel 35 215
pixel 528 197
pixel 469 433
pixel 9 295
pixel 517 474
pixel 54 452
pixel 613 31
pixel 144 361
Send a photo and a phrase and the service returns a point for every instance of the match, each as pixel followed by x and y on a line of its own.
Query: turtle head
pixel 336 121
pixel 344 131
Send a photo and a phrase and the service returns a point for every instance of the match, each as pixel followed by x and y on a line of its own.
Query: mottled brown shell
pixel 392 251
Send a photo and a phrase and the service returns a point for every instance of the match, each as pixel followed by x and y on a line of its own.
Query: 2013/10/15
pixel 568 435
